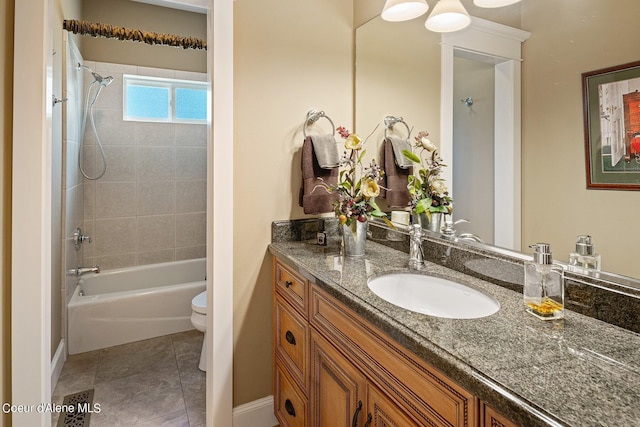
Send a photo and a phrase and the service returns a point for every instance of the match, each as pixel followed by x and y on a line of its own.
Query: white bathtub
pixel 132 304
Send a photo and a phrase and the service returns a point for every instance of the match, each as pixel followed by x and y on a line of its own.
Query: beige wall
pixel 290 56
pixel 6 94
pixel 146 17
pixel 567 40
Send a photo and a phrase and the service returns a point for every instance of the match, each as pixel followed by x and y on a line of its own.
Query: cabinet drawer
pixel 291 286
pixel 491 418
pixel 422 391
pixel 290 403
pixel 291 340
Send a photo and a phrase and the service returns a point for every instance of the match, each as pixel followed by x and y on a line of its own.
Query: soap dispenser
pixel 585 255
pixel 543 284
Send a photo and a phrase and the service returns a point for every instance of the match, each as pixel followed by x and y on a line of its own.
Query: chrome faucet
pixel 79 271
pixel 449 231
pixel 416 255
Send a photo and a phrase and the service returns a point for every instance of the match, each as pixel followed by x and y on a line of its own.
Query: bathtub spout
pixel 79 271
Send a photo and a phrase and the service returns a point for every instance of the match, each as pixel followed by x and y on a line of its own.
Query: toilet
pixel 199 321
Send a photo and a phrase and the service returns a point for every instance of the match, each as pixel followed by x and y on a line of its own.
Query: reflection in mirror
pixel 398 73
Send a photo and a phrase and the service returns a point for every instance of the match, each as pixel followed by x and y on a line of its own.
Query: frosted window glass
pixel 191 104
pixel 147 102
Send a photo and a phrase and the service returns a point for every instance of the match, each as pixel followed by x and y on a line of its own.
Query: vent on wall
pixel 198 6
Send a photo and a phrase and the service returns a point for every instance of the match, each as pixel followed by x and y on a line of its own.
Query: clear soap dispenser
pixel 585 255
pixel 543 284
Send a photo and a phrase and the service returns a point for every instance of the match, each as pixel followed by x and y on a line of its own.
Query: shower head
pixel 104 81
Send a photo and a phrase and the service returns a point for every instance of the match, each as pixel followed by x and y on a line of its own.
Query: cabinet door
pixel 383 412
pixel 337 387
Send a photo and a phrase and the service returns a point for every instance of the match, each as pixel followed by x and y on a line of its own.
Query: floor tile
pixel 148 383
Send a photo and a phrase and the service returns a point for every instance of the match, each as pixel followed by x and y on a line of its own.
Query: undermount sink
pixel 433 296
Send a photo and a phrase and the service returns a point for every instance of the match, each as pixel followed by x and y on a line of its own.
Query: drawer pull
pixel 288 406
pixel 288 284
pixel 291 339
pixel 368 423
pixel 354 421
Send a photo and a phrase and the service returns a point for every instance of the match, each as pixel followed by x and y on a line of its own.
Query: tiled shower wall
pixel 150 206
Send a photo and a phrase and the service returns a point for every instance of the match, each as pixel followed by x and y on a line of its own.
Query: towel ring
pixel 390 121
pixel 312 117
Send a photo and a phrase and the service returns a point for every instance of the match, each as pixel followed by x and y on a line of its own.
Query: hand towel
pixel 326 151
pixel 395 179
pixel 400 144
pixel 314 197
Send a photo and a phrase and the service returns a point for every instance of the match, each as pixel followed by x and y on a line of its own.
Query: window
pixel 152 99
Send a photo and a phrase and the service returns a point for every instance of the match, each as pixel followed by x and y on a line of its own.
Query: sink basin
pixel 433 296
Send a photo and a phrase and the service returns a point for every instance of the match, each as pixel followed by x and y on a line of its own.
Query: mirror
pixel 398 73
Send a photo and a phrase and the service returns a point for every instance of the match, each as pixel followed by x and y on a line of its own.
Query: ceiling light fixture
pixel 403 10
pixel 494 3
pixel 448 16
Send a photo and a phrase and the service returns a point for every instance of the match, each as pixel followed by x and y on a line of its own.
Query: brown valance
pixel 121 33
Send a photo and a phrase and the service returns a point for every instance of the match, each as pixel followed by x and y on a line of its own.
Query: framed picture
pixel 612 127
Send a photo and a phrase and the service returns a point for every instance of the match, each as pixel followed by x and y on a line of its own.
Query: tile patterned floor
pixel 148 383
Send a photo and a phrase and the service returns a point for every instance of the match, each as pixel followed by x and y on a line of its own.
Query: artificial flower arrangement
pixel 357 186
pixel 429 193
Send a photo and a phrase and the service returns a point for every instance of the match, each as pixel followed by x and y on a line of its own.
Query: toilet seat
pixel 199 303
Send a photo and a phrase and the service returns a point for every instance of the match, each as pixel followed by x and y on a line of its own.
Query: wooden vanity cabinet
pixel 291 346
pixel 342 371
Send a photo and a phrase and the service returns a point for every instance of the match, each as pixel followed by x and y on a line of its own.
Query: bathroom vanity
pixel 343 356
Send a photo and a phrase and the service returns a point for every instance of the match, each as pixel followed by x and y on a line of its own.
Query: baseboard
pixel 258 413
pixel 59 357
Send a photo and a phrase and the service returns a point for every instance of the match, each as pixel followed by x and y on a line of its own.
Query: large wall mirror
pixel 398 72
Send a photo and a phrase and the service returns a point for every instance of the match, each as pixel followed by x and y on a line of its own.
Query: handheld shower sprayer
pixel 104 81
pixel 91 98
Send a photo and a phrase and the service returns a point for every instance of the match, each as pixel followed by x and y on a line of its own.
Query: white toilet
pixel 199 321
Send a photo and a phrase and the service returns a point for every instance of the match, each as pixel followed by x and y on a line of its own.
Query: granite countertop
pixel 577 372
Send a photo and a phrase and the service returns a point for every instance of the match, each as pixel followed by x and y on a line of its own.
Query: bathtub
pixel 132 304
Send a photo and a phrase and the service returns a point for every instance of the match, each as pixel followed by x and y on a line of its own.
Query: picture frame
pixel 611 104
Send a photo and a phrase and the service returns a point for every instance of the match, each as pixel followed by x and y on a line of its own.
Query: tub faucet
pixel 79 271
pixel 416 256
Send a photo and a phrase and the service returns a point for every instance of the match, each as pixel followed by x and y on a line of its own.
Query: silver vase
pixel 435 224
pixel 354 237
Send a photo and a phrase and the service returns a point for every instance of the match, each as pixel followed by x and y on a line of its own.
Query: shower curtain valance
pixel 121 33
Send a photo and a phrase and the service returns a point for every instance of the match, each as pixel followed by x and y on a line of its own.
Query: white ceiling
pixel 199 6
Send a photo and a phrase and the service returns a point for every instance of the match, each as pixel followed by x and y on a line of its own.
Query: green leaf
pixel 411 156
pixel 361 155
pixel 423 205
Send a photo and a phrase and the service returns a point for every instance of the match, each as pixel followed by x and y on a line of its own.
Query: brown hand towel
pixel 314 197
pixel 396 178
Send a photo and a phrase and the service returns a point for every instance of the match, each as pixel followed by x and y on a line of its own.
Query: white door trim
pixel 220 215
pixel 503 45
pixel 31 213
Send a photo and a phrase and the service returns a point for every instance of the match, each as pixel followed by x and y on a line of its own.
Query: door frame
pixel 31 213
pixel 503 44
